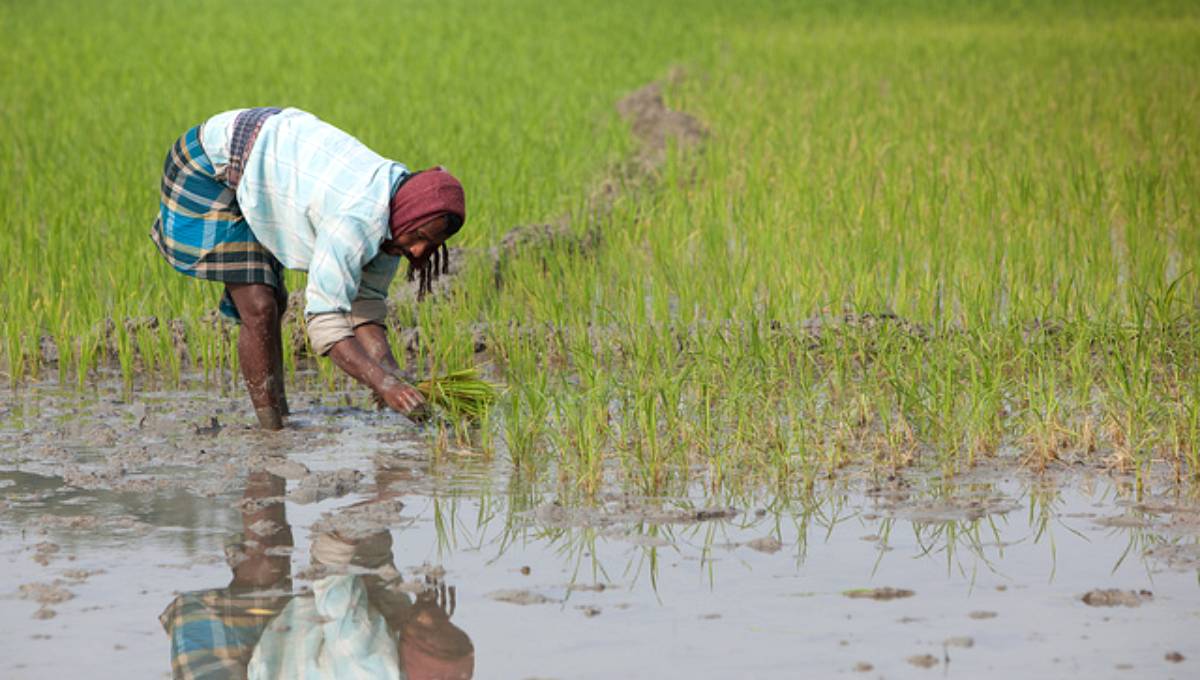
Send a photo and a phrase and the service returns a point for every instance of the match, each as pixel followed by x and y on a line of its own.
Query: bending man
pixel 252 192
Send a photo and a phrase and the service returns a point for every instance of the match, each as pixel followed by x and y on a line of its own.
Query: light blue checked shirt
pixel 333 634
pixel 318 199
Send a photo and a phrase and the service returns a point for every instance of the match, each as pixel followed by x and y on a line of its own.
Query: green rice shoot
pixel 462 393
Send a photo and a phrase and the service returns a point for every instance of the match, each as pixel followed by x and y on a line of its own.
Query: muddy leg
pixel 259 349
pixel 278 373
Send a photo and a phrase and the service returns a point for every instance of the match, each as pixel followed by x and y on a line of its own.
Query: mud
pixel 618 510
pixel 964 508
pixel 111 509
pixel 1111 597
pixel 923 660
pixel 882 594
pixel 318 486
pixel 1176 556
pixel 767 544
pixel 521 597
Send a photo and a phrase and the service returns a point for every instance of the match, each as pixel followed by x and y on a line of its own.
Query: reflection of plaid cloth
pixel 214 632
pixel 200 229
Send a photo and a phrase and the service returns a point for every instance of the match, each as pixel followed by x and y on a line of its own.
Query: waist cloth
pixel 200 229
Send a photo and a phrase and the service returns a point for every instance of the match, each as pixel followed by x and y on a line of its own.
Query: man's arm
pixel 350 355
pixel 373 338
pixel 342 260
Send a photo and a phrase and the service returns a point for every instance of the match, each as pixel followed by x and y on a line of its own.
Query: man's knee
pixel 258 307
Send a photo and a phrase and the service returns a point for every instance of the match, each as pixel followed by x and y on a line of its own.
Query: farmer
pixel 252 192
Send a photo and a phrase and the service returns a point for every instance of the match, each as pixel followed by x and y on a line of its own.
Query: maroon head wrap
pixel 424 196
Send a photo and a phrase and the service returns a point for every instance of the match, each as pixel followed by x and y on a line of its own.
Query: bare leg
pixel 278 373
pixel 260 349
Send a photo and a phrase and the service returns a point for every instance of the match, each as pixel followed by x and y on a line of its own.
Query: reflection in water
pixel 1019 550
pixel 967 527
pixel 358 619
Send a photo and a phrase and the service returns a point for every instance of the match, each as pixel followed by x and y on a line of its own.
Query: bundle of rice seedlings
pixel 462 392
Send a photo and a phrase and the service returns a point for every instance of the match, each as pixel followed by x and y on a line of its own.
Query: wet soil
pixel 112 507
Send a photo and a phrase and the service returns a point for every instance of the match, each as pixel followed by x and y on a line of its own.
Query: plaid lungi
pixel 200 229
pixel 214 632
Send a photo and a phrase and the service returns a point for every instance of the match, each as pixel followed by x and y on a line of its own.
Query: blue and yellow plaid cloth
pixel 214 632
pixel 200 229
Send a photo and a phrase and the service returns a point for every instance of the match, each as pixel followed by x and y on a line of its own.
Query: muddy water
pixel 112 509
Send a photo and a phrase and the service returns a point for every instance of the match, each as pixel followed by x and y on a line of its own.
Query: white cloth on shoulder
pixel 332 635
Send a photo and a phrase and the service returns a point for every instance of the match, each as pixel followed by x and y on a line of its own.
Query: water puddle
pixel 108 542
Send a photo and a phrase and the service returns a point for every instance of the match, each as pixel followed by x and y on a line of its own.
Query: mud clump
pixel 77 522
pixel 81 575
pixel 1112 597
pixel 281 467
pixel 47 523
pixel 44 552
pixel 52 592
pixel 951 509
pixel 361 521
pixel 703 515
pixel 884 594
pixel 1181 557
pixel 923 660
pixel 45 594
pixel 521 597
pixel 589 587
pixel 1124 522
pixel 319 486
pixel 766 544
pixel 620 511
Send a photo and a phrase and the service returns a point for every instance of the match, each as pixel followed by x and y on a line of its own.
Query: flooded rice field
pixel 138 534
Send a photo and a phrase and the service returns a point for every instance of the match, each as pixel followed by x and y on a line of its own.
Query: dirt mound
pixel 656 126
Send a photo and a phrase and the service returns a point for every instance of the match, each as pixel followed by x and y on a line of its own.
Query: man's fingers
pixel 404 398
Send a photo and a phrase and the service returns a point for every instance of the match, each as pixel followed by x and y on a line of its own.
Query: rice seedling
pixel 461 393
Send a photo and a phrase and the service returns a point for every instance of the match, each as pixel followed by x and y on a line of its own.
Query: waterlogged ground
pixel 111 509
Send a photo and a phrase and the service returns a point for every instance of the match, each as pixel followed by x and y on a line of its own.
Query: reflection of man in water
pixel 354 623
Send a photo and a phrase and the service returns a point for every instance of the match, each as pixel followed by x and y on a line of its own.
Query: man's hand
pixel 350 355
pixel 400 396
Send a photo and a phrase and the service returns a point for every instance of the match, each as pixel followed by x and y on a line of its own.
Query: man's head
pixel 427 209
